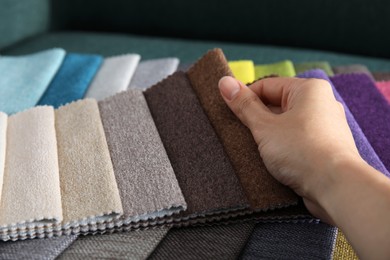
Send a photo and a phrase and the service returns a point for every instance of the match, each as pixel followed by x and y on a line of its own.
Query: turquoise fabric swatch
pixel 25 78
pixel 72 79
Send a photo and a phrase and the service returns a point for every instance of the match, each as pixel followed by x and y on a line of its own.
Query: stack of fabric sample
pixel 145 150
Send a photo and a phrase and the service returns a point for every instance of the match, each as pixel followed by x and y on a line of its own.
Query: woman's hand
pixel 306 143
pixel 299 127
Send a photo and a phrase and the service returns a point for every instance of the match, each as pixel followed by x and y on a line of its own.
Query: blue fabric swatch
pixel 24 79
pixel 72 79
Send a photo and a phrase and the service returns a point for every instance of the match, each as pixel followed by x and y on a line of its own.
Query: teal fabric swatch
pixel 72 79
pixel 25 78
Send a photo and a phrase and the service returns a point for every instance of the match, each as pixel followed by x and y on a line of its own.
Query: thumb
pixel 244 103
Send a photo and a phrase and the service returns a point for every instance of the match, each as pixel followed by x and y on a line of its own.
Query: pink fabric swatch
pixel 384 88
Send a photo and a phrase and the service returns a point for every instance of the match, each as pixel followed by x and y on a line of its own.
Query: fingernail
pixel 229 87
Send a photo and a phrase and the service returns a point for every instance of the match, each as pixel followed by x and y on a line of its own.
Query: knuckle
pixel 341 107
pixel 319 82
pixel 245 103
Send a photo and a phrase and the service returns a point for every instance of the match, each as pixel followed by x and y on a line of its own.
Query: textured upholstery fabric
pixel 145 178
pixel 362 142
pixel 370 109
pixel 71 80
pixel 124 245
pixel 36 249
pixel 209 242
pixel 261 189
pixel 149 72
pixel 202 168
pixel 310 65
pixel 290 241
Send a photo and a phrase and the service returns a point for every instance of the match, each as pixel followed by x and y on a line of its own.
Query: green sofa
pixel 262 30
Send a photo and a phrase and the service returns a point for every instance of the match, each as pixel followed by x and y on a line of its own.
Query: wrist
pixel 335 185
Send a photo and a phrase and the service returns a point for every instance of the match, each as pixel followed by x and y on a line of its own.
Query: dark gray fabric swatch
pixel 290 241
pixel 210 242
pixel 205 175
pixel 124 245
pixel 45 248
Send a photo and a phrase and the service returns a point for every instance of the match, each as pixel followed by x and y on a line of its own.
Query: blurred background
pixel 108 27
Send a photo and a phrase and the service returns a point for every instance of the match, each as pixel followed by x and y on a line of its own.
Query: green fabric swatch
pixel 323 65
pixel 283 68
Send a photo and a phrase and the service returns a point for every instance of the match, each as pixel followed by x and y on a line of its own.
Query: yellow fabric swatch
pixel 243 70
pixel 283 68
pixel 343 250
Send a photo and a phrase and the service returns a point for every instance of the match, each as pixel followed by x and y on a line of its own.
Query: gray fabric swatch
pixel 209 242
pixel 124 245
pixel 150 72
pixel 47 248
pixel 354 68
pixel 147 184
pixel 290 241
pixel 113 76
pixel 184 67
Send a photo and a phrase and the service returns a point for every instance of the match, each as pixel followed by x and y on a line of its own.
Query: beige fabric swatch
pixel 3 143
pixel 31 187
pixel 146 180
pixel 88 186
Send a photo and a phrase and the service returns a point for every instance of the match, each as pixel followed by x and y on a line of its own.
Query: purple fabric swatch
pixel 369 108
pixel 362 143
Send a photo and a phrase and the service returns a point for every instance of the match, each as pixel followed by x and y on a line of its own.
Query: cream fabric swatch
pixel 146 180
pixel 88 186
pixel 31 188
pixel 113 76
pixel 3 143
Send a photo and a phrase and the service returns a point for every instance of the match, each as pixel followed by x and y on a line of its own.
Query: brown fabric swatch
pixel 202 168
pixel 146 181
pixel 381 76
pixel 215 242
pixel 262 190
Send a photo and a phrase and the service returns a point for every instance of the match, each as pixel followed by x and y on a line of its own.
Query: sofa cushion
pixel 108 44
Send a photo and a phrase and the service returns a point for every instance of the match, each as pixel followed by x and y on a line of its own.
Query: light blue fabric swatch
pixel 72 79
pixel 23 79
